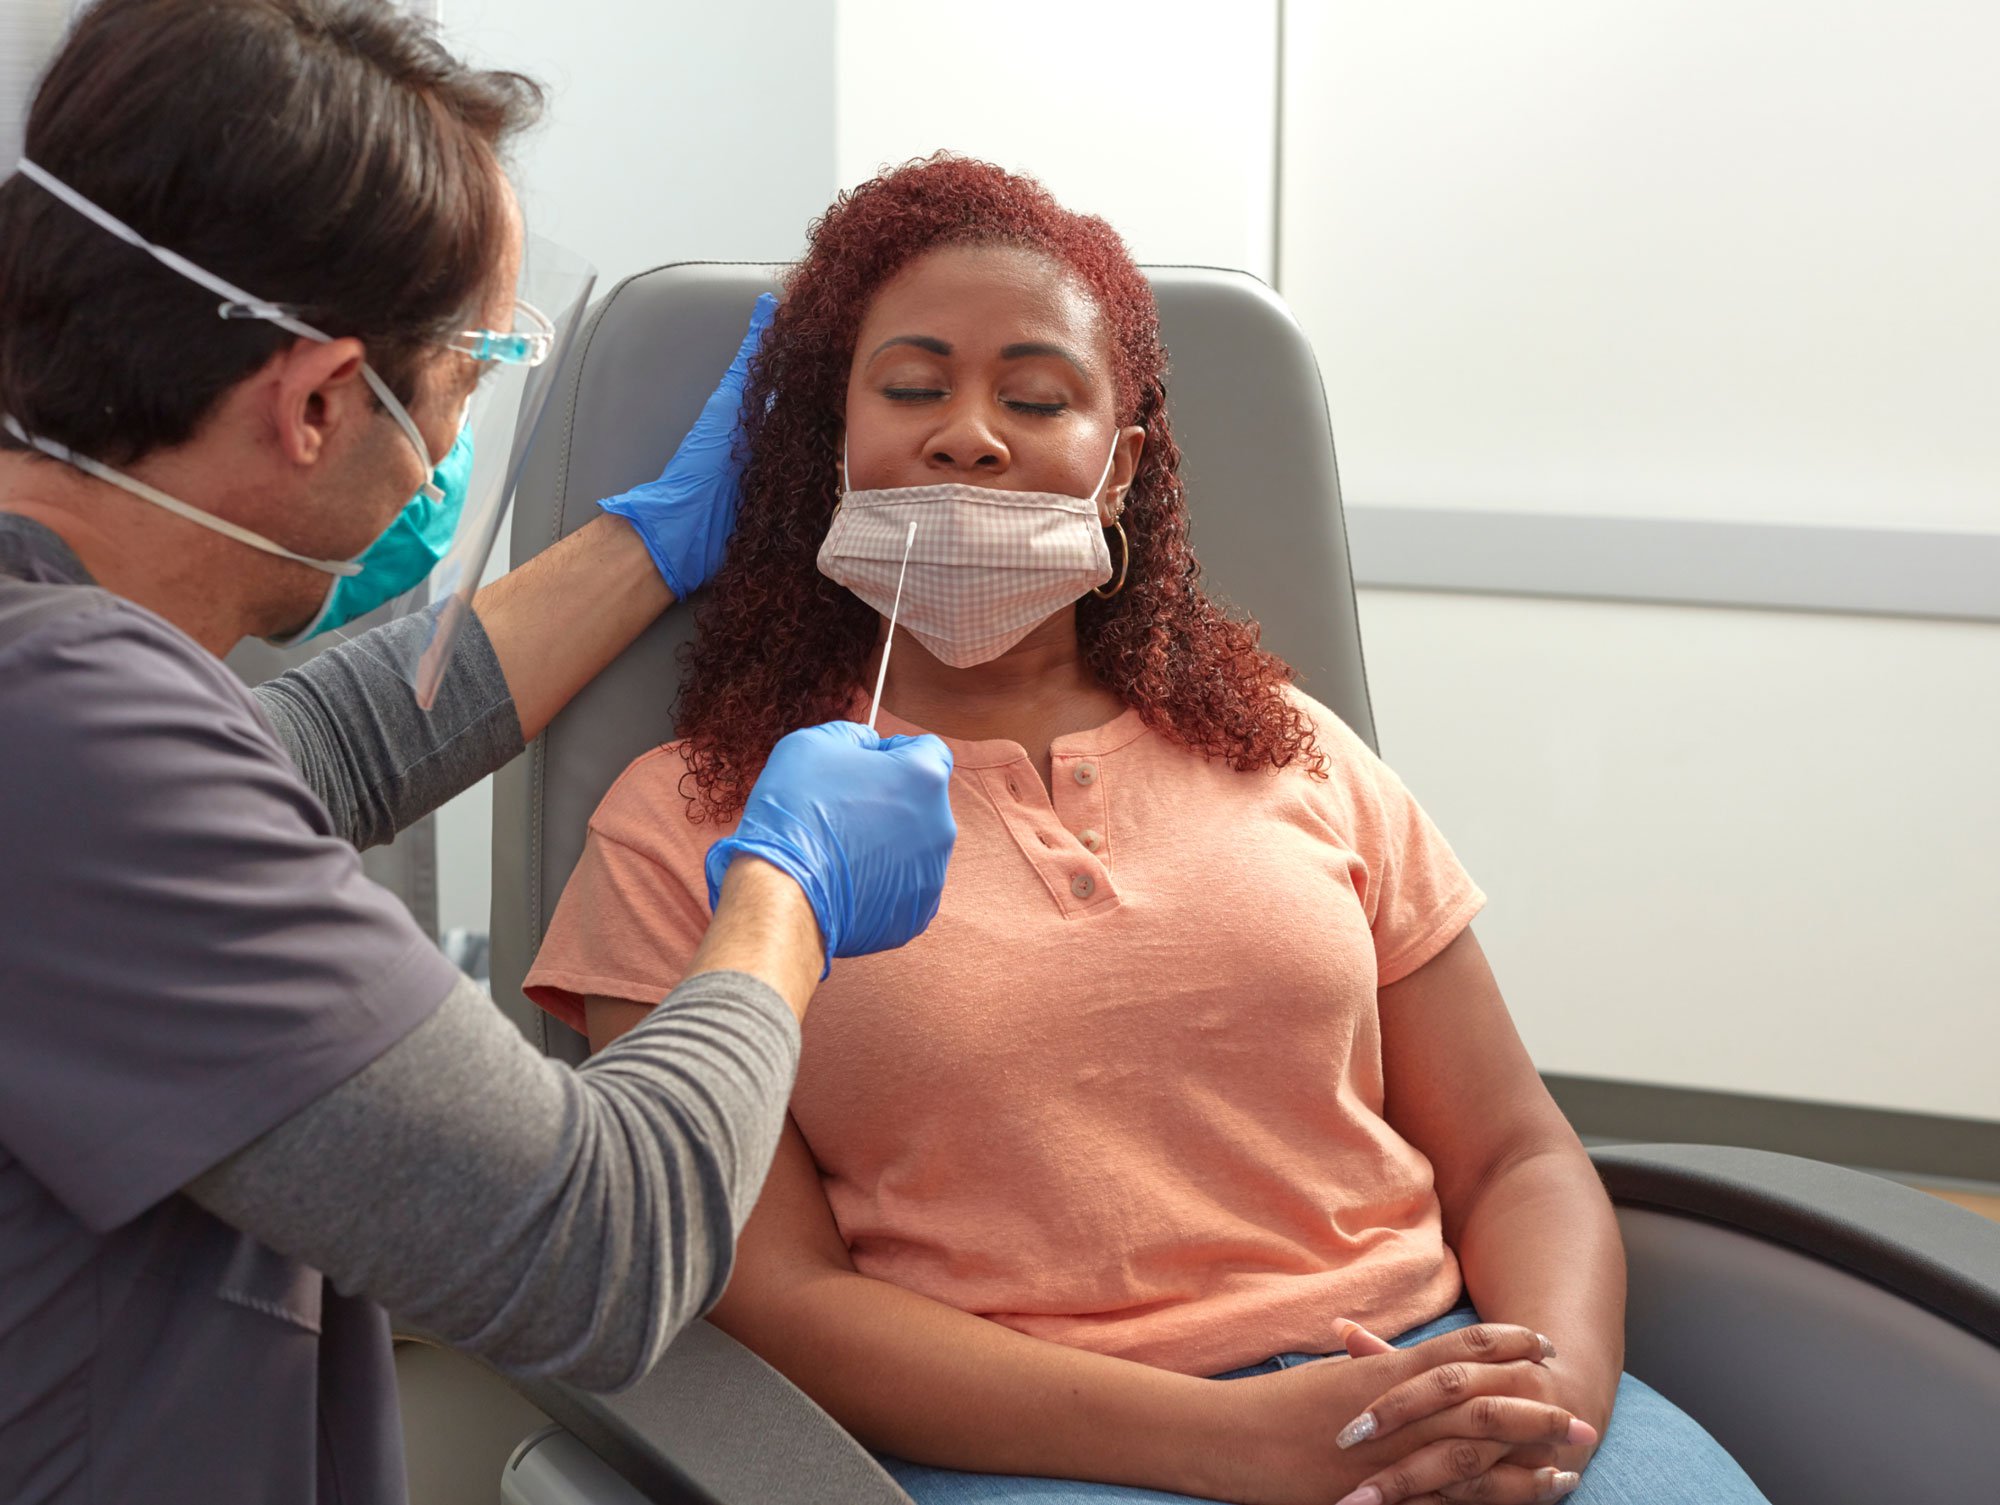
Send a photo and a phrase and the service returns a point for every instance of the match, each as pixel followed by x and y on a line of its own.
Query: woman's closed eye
pixel 934 394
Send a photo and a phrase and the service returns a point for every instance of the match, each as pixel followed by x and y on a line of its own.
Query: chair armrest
pixel 1921 1247
pixel 713 1424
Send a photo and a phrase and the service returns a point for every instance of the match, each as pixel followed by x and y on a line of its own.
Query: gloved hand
pixel 687 515
pixel 862 821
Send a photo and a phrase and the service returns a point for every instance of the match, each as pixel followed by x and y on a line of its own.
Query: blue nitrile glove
pixel 687 515
pixel 862 821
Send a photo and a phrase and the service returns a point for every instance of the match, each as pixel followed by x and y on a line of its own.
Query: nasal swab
pixel 894 607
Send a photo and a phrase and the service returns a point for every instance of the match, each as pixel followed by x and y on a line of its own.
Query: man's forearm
pixel 560 618
pixel 556 1221
pixel 1539 1247
pixel 764 927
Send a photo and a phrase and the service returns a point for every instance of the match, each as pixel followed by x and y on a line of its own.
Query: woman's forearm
pixel 926 1382
pixel 1539 1246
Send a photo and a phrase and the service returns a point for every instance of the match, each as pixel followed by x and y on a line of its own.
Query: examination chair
pixel 1838 1332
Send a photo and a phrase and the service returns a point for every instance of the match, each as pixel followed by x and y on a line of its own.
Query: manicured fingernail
pixel 1367 1494
pixel 1565 1483
pixel 1361 1429
pixel 1581 1433
pixel 1548 1348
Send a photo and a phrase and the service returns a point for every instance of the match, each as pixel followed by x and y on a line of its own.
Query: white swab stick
pixel 888 642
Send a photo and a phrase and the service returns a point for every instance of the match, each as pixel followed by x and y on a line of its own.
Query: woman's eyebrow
pixel 928 342
pixel 1021 350
pixel 1038 347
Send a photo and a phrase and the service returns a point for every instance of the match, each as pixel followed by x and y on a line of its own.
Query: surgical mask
pixel 985 568
pixel 403 554
pixel 396 560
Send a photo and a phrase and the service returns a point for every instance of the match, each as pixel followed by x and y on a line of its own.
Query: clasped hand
pixel 1469 1415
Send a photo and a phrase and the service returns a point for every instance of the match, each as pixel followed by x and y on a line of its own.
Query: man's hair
pixel 326 155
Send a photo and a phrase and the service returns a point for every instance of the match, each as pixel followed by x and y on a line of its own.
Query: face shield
pixel 502 419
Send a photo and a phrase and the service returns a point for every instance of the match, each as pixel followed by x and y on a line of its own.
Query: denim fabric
pixel 1653 1453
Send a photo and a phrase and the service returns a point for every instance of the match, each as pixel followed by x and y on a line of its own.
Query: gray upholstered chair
pixel 1839 1333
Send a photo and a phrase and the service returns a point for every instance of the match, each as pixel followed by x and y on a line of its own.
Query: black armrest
pixel 713 1424
pixel 1921 1247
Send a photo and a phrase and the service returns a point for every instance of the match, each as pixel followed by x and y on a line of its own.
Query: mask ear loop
pixel 1124 543
pixel 159 498
pixel 1109 461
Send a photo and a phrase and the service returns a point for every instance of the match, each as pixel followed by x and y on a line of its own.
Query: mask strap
pixel 1109 461
pixel 172 504
pixel 429 490
pixel 237 304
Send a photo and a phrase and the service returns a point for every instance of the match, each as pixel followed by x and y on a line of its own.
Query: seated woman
pixel 1198 1063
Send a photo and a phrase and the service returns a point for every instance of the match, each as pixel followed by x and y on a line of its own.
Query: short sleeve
pixel 1415 892
pixel 634 911
pixel 188 955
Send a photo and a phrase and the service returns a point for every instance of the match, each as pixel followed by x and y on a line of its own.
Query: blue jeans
pixel 1653 1453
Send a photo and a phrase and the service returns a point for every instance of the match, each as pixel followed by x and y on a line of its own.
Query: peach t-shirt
pixel 1126 1092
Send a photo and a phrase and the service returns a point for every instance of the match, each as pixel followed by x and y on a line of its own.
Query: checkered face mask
pixel 986 566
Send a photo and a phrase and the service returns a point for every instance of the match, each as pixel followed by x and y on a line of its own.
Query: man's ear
pixel 315 388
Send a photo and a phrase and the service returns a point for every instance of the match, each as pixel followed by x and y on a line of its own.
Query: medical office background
pixel 1662 347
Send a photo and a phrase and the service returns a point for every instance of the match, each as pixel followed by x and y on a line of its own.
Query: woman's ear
pixel 1124 470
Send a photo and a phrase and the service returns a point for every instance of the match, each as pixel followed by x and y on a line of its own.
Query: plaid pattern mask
pixel 986 567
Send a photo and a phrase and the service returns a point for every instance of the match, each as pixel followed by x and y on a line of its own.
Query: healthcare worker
pixel 244 1103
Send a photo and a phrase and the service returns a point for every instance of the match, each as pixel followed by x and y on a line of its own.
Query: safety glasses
pixel 528 343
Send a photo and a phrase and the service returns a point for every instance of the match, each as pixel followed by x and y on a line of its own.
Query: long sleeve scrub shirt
pixel 245 1105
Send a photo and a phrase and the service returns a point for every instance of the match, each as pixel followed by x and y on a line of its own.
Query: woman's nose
pixel 969 442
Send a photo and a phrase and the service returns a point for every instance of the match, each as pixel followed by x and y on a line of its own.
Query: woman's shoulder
pixel 1341 744
pixel 651 806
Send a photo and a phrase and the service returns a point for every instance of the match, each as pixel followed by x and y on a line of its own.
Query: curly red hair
pixel 780 646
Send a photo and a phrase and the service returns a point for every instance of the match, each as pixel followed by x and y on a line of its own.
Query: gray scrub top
pixel 189 954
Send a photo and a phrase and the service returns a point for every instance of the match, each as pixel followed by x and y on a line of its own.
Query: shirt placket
pixel 1063 835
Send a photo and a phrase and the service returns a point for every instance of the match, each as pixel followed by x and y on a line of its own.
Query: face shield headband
pixel 503 416
pixel 236 303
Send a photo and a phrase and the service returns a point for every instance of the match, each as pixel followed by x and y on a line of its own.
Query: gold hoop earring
pixel 1124 563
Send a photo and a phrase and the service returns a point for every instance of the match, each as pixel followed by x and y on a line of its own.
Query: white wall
pixel 676 130
pixel 1739 850
pixel 29 32
pixel 1710 260
pixel 1159 118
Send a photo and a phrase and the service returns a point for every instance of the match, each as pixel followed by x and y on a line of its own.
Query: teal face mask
pixel 405 552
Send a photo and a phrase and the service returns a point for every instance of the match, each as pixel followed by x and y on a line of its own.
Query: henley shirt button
pixel 1092 842
pixel 1013 788
pixel 1086 774
pixel 1083 885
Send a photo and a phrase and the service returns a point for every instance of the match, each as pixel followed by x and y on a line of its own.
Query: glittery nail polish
pixel 1359 1430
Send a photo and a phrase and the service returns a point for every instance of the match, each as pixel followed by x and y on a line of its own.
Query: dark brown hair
pixel 328 155
pixel 781 646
